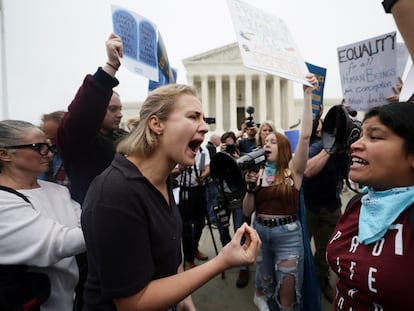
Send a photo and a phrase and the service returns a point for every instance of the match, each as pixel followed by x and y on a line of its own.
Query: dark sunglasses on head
pixel 42 148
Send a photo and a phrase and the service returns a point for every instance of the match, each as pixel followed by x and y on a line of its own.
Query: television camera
pixel 249 120
pixel 339 130
pixel 226 168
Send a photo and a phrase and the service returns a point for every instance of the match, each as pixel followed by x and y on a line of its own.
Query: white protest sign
pixel 139 39
pixel 265 43
pixel 368 71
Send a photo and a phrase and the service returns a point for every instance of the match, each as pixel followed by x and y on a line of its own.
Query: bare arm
pixel 316 163
pixel 403 11
pixel 248 204
pixel 175 288
pixel 300 158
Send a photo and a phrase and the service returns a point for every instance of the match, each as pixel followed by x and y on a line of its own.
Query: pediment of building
pixel 227 53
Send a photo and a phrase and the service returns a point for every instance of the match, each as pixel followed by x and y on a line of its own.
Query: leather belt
pixel 272 222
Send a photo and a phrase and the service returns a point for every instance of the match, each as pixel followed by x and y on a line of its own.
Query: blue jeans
pixel 211 195
pixel 280 243
pixel 238 220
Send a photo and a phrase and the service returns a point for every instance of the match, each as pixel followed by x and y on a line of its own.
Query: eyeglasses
pixel 42 148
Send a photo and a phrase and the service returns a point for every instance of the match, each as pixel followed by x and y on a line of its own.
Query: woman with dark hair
pixel 372 247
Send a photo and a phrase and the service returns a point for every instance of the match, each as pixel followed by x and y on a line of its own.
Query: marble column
pixel 219 104
pixel 277 105
pixel 261 115
pixel 233 103
pixel 248 90
pixel 204 94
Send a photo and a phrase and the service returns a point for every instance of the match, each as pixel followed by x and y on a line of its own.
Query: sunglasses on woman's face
pixel 42 148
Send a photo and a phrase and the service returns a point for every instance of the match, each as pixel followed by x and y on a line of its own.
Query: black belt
pixel 272 222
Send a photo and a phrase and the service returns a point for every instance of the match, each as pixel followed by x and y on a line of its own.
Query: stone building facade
pixel 226 88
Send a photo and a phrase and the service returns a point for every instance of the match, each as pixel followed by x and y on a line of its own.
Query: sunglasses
pixel 42 148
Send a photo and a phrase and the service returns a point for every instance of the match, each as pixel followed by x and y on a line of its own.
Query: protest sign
pixel 317 93
pixel 265 43
pixel 368 71
pixel 166 74
pixel 139 38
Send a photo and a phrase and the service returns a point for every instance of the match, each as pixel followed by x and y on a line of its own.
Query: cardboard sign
pixel 368 71
pixel 139 38
pixel 265 43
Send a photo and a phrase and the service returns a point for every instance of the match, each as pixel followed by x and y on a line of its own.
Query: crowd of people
pixel 89 219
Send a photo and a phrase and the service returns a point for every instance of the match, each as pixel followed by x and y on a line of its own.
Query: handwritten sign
pixel 317 94
pixel 368 71
pixel 265 43
pixel 139 38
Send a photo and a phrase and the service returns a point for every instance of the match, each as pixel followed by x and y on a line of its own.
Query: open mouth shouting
pixel 357 162
pixel 194 145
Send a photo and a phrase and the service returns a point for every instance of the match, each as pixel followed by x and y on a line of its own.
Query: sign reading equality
pixel 368 71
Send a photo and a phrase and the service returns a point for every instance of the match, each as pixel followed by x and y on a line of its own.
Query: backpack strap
pixel 19 194
pixel 356 198
pixel 11 272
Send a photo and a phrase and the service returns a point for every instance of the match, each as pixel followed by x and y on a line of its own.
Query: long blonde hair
pixel 142 141
pixel 260 142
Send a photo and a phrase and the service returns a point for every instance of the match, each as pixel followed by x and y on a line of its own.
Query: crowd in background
pixel 95 217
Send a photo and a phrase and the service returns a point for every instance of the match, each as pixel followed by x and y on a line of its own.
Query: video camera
pixel 210 120
pixel 231 170
pixel 231 148
pixel 339 130
pixel 249 119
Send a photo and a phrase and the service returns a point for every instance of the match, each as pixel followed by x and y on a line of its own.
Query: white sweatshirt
pixel 46 235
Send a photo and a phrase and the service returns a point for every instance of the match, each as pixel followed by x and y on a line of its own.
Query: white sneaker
pixel 260 302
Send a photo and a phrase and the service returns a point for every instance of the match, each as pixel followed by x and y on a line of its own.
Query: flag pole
pixel 4 105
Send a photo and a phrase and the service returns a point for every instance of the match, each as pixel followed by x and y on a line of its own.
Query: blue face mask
pixel 379 209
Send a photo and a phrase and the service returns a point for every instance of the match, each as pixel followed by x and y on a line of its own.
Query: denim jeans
pixel 238 220
pixel 280 243
pixel 211 196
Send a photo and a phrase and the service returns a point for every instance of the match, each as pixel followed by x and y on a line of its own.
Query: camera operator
pixel 249 127
pixel 248 144
pixel 322 186
pixel 212 187
pixel 229 203
pixel 193 204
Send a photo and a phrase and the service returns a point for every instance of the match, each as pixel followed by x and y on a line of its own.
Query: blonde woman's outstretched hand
pixel 235 254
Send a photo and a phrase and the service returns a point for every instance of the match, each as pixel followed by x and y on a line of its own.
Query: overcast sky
pixel 51 44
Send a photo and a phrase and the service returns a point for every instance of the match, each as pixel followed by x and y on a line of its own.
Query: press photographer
pixel 322 186
pixel 250 128
pixel 340 129
pixel 193 204
pixel 231 189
